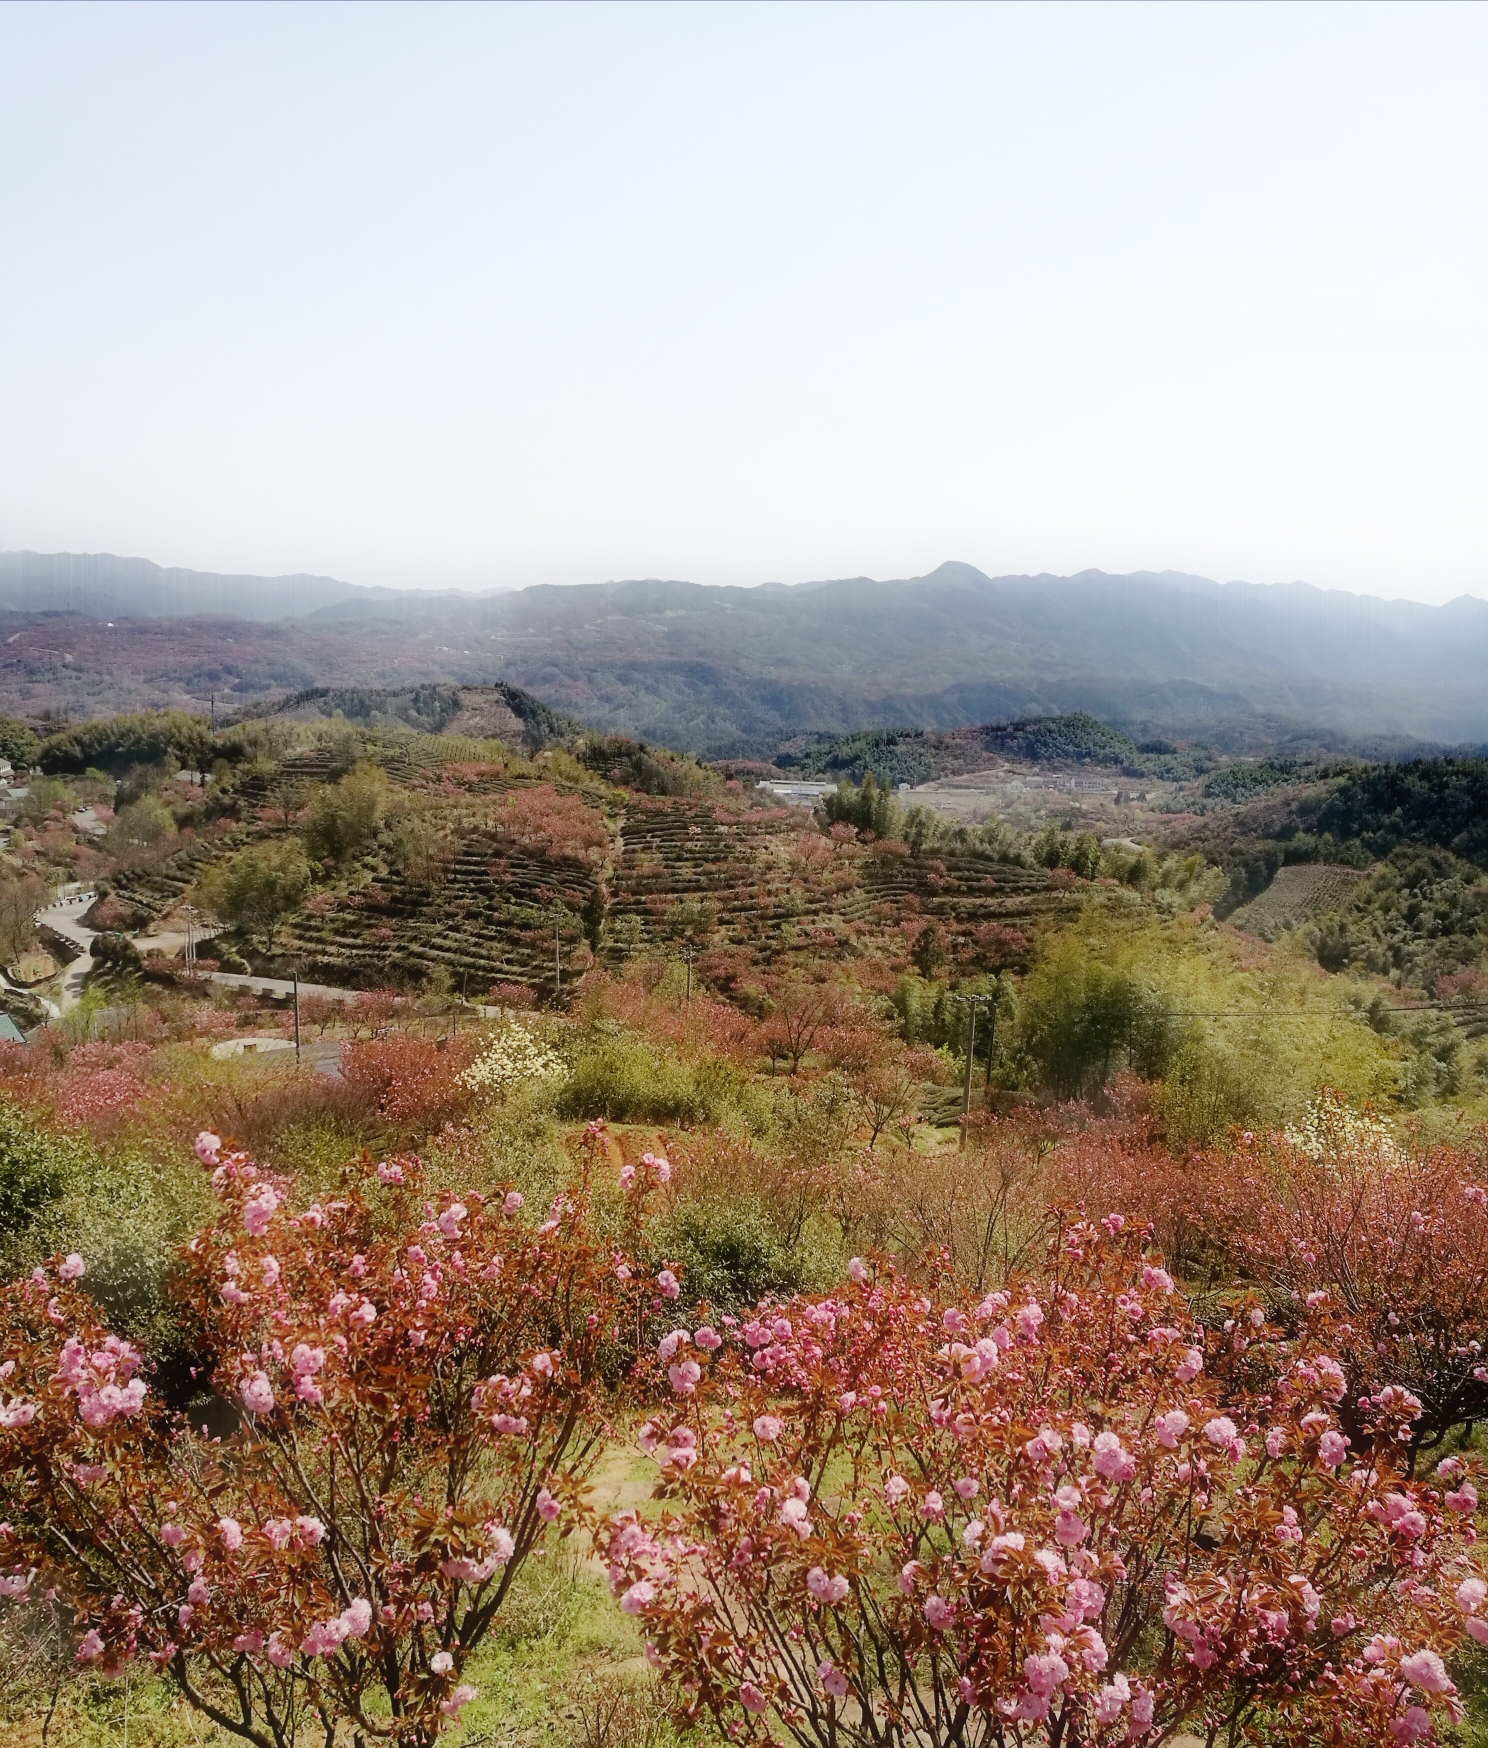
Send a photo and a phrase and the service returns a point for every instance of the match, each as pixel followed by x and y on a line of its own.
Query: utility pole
pixel 973 1002
pixel 991 1032
pixel 966 1088
pixel 190 913
pixel 689 950
pixel 557 953
pixel 296 975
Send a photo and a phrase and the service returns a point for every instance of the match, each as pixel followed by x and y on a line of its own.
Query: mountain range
pixel 728 670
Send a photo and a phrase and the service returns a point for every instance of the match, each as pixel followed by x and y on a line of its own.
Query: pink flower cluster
pixel 103 1381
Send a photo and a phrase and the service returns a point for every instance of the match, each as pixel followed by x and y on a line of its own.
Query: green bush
pixel 116 743
pixel 628 1079
pixel 1082 1020
pixel 60 1193
pixel 34 1169
pixel 730 1256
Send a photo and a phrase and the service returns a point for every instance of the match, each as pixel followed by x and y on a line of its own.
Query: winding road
pixel 63 917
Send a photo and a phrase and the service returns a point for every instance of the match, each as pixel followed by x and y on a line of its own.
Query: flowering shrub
pixel 411 1080
pixel 552 822
pixel 417 1383
pixel 1036 1519
pixel 1401 1243
pixel 511 1058
pixel 1332 1130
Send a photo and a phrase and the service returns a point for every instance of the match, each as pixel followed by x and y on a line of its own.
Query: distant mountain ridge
pixel 729 670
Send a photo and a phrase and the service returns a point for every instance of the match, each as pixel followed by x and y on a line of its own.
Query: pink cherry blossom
pixel 939 1613
pixel 639 1596
pixel 72 1267
pixel 259 1209
pixel 767 1428
pixel 231 1532
pixel 1112 1459
pixel 834 1682
pixel 668 1283
pixel 462 1696
pixel 1332 1449
pixel 1426 1671
pixel 257 1393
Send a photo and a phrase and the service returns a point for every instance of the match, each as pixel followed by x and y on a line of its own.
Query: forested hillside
pixel 740 671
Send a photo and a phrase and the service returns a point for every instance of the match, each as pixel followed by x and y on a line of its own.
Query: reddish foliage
pixel 701 1027
pixel 411 1081
pixel 419 1386
pixel 1038 1519
pixel 552 822
pixel 1400 1242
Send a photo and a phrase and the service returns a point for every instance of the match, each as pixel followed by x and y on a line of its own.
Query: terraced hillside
pixel 1295 895
pixel 533 853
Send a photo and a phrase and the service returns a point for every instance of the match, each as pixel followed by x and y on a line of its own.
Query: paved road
pixel 62 918
pixel 279 985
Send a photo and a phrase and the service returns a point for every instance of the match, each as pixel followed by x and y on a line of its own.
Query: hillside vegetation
pixel 621 1299
pixel 738 671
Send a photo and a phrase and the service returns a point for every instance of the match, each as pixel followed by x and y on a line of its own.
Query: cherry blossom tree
pixel 417 1386
pixel 1399 1240
pixel 1036 1519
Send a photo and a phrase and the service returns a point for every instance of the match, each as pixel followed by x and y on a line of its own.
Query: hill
pixel 742 671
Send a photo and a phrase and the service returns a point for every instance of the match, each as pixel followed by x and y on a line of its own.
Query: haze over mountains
pixel 734 670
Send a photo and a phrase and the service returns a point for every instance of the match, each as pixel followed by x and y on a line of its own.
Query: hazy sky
pixel 497 295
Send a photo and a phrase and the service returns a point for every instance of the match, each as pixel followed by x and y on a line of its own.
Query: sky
pixel 484 296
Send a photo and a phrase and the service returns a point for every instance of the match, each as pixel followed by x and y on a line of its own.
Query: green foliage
pixel 1078 738
pixel 34 1169
pixel 1440 803
pixel 1240 782
pixel 928 1012
pixel 344 816
pixel 45 795
pixel 18 743
pixel 650 770
pixel 730 1254
pixel 1421 914
pixel 124 1215
pixel 21 896
pixel 1080 852
pixel 116 743
pixel 1081 1020
pixel 626 1078
pixel 141 825
pixel 871 808
pixel 259 887
pixel 116 961
pixel 902 755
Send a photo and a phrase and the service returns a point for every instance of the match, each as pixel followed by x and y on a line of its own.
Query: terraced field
pixel 759 882
pixel 1294 895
